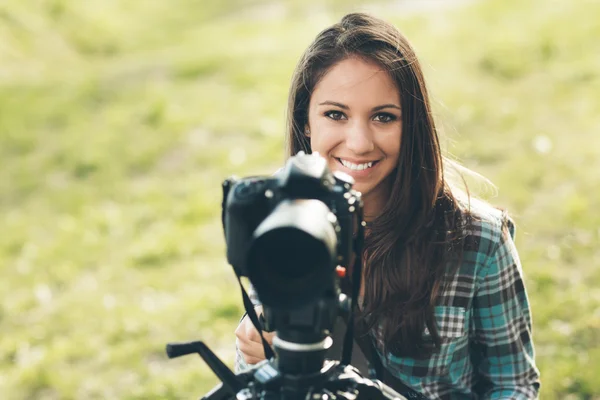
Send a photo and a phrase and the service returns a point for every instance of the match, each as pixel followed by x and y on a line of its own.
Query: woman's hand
pixel 248 340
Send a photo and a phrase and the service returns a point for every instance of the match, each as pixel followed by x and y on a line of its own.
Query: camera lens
pixel 292 257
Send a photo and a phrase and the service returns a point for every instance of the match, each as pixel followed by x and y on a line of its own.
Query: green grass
pixel 118 121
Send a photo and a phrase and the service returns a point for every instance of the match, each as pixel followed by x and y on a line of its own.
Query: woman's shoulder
pixel 486 220
pixel 487 237
pixel 486 230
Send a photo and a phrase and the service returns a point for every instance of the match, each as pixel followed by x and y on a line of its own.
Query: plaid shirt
pixel 484 321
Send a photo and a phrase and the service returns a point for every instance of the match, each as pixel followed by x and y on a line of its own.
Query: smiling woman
pixel 444 300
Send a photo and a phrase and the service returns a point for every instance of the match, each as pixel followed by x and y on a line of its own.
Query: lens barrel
pixel 291 259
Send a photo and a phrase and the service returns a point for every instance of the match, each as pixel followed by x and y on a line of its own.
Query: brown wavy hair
pixel 410 243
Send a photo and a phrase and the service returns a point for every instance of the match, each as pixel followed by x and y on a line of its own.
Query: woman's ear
pixel 306 131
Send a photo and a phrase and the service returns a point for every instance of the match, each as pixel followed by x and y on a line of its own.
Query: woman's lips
pixel 357 169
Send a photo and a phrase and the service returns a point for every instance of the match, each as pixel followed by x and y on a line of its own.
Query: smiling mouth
pixel 357 167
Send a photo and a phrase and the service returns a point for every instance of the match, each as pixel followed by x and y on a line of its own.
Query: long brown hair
pixel 411 242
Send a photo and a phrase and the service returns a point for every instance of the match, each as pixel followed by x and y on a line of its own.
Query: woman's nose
pixel 359 138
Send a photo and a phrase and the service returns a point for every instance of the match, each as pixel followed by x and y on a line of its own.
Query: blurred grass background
pixel 119 120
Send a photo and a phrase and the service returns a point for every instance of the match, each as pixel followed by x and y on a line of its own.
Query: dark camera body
pixel 288 232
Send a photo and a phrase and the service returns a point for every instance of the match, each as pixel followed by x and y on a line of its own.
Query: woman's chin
pixel 363 189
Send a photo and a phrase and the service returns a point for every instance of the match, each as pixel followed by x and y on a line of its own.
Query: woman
pixel 443 292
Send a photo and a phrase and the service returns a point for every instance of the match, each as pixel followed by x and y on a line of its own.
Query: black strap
pixel 254 318
pixel 348 338
pixel 357 244
pixel 368 348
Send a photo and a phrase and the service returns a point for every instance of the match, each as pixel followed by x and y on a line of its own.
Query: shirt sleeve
pixel 240 365
pixel 502 347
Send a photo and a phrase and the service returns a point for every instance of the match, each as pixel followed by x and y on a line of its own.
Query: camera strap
pixel 254 318
pixel 366 345
pixel 356 279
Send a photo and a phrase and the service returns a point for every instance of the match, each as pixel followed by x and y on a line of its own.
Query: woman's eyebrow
pixel 386 106
pixel 345 107
pixel 334 103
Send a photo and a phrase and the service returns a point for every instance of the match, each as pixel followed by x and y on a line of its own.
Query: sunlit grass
pixel 118 121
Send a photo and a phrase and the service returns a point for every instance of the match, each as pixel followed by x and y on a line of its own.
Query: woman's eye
pixel 335 115
pixel 384 117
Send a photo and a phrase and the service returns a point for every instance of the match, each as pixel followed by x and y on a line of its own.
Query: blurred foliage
pixel 119 119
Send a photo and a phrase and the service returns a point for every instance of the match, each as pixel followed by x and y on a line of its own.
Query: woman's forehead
pixel 356 80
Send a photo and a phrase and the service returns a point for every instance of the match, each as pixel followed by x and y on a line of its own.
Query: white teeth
pixel 356 167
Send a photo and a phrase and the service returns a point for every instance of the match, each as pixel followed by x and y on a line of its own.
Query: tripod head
pixel 334 381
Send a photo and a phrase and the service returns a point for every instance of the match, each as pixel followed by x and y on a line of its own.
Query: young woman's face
pixel 355 122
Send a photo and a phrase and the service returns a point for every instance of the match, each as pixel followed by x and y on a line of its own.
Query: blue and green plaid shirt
pixel 484 321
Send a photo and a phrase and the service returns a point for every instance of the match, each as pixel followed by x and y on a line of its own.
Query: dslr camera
pixel 292 235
